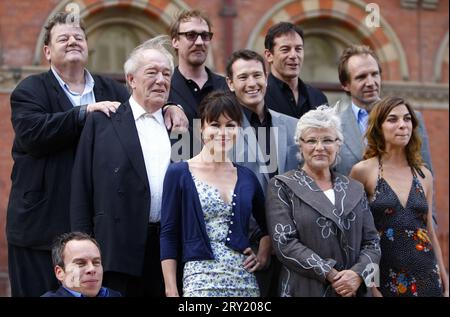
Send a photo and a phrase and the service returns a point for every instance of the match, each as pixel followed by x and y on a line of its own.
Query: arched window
pixel 114 32
pixel 321 58
pixel 111 47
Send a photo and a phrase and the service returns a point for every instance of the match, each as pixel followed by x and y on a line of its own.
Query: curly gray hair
pixel 324 117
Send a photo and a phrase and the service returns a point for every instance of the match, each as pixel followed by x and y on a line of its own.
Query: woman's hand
pixel 346 283
pixel 172 292
pixel 264 252
pixel 251 263
pixel 376 292
pixel 445 294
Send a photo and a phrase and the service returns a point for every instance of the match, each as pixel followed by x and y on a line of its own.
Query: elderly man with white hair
pixel 119 171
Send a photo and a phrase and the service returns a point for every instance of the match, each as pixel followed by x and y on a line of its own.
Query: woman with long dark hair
pixel 400 190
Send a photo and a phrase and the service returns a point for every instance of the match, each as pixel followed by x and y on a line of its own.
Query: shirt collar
pixel 252 116
pixel 278 81
pixel 88 81
pixel 103 292
pixel 139 111
pixel 208 81
pixel 74 293
pixel 356 110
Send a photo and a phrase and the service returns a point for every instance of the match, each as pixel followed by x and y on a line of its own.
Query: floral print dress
pixel 408 265
pixel 224 276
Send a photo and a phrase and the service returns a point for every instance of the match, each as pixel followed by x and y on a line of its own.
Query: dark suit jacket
pixel 62 292
pixel 110 190
pixel 46 130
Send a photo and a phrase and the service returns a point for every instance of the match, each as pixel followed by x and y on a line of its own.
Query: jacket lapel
pixel 249 152
pixel 123 123
pixel 353 136
pixel 63 101
pixel 280 140
pixel 346 196
pixel 98 90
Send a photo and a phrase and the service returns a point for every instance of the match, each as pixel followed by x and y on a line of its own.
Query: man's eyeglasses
pixel 192 35
pixel 315 142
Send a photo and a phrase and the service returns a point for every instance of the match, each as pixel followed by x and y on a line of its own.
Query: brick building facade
pixel 411 40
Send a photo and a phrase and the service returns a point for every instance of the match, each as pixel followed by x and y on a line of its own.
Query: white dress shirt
pixel 156 150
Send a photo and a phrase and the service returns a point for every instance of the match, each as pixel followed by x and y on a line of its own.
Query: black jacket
pixel 62 292
pixel 47 128
pixel 110 190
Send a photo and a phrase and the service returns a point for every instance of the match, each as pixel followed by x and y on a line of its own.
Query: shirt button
pixel 234 204
pixel 234 195
pixel 230 231
pixel 228 239
pixel 231 222
pixel 195 89
pixel 232 213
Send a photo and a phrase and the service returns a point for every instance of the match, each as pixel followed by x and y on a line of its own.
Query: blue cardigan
pixel 183 226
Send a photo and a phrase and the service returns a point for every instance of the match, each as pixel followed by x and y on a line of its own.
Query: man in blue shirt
pixel 78 266
pixel 360 77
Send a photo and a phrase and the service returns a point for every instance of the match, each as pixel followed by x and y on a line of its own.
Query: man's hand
pixel 175 119
pixel 104 106
pixel 346 283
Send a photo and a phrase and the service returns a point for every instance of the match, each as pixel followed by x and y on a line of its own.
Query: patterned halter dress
pixel 408 266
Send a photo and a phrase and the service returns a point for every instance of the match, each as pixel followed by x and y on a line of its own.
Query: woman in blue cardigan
pixel 207 204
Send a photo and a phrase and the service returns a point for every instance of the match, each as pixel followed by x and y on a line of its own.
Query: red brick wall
pixel 420 32
pixel 21 21
pixel 437 122
pixel 20 24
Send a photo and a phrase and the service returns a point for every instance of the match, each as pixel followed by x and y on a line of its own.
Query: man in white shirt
pixel 48 112
pixel 118 175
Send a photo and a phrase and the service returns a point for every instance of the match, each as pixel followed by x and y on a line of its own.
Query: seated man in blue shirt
pixel 78 266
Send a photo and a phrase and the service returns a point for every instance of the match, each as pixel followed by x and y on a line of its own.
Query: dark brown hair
pixel 60 18
pixel 349 52
pixel 246 55
pixel 219 103
pixel 280 29
pixel 376 145
pixel 60 244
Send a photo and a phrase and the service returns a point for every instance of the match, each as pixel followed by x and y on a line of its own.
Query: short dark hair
pixel 184 16
pixel 352 50
pixel 376 144
pixel 219 103
pixel 61 241
pixel 59 18
pixel 245 54
pixel 280 29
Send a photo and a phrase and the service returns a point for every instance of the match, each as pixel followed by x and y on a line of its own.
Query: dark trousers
pixel 151 283
pixel 31 271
